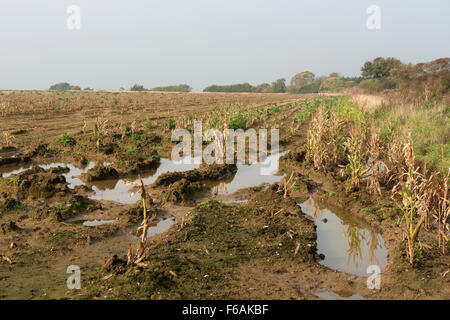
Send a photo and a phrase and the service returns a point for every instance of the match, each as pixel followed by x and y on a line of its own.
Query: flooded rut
pixel 89 223
pixel 345 246
pixel 341 245
pixel 120 190
pixel 250 176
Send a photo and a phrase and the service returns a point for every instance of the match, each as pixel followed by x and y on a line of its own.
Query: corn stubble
pixel 421 196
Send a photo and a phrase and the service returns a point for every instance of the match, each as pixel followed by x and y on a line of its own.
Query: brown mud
pixel 254 242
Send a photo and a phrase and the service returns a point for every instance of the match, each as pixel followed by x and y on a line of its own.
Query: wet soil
pixel 220 232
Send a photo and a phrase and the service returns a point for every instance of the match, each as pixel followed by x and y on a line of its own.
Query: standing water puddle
pixel 71 176
pixel 251 176
pixel 347 247
pixel 90 223
pixel 119 190
pixel 160 225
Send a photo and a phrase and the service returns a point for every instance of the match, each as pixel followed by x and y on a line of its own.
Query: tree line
pixel 176 88
pixel 430 79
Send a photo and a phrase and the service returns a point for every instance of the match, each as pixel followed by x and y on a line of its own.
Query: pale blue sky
pixel 203 42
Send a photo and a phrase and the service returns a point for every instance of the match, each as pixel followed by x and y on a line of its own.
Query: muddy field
pixel 71 165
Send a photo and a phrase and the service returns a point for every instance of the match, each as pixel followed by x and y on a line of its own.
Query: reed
pixel 411 189
pixel 356 158
pixel 99 132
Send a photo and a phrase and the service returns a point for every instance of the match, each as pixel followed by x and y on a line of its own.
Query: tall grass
pixel 398 154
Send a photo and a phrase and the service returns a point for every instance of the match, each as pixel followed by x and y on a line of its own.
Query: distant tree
pixel 379 67
pixel 350 84
pixel 137 87
pixel 336 83
pixel 279 86
pixel 178 88
pixel 302 79
pixel 240 87
pixel 310 88
pixel 332 84
pixel 75 88
pixel 304 82
pixel 263 88
pixel 88 89
pixel 430 80
pixel 61 86
pixel 377 84
pixel 321 79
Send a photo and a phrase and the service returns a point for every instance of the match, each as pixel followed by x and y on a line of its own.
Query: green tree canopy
pixel 431 79
pixel 332 84
pixel 64 86
pixel 302 79
pixel 240 87
pixel 178 88
pixel 379 67
pixel 263 88
pixel 137 87
pixel 279 86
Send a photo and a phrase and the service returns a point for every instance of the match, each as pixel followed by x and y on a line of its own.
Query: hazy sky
pixel 204 42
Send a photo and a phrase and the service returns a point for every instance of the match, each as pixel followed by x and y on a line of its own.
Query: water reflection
pixel 347 247
pixel 89 223
pixel 250 176
pixel 160 225
pixel 71 176
pixel 120 190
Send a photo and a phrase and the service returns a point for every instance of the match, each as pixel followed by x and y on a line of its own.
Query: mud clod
pixel 10 227
pixel 99 173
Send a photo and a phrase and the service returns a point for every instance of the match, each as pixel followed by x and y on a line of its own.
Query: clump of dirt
pixel 133 163
pixel 19 132
pixel 136 214
pixel 10 161
pixel 9 205
pixel 8 150
pixel 180 191
pixel 100 172
pixel 142 165
pixel 212 172
pixel 115 264
pixel 199 259
pixel 80 160
pixel 76 205
pixel 42 150
pixel 10 227
pixel 154 138
pixel 297 155
pixel 37 183
pixel 181 186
